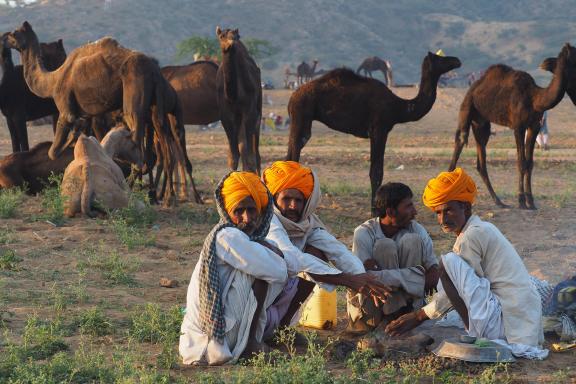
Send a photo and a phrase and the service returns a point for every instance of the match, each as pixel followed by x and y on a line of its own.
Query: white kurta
pixel 485 249
pixel 367 233
pixel 240 262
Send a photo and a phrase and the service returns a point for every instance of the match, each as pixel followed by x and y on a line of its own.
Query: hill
pixel 336 32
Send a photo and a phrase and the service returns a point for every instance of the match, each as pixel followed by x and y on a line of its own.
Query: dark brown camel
pixel 362 107
pixel 549 65
pixel 375 63
pixel 93 80
pixel 195 85
pixel 239 100
pixel 305 72
pixel 17 102
pixel 510 98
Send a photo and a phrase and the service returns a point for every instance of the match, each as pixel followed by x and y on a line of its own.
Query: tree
pixel 209 47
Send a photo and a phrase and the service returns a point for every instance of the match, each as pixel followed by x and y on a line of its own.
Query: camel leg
pixel 377 149
pixel 247 144
pixel 14 136
pixel 19 121
pixel 463 130
pixel 232 134
pixel 532 133
pixel 300 130
pixel 482 135
pixel 519 135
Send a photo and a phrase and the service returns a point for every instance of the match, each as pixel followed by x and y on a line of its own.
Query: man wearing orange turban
pixel 483 278
pixel 239 274
pixel 305 241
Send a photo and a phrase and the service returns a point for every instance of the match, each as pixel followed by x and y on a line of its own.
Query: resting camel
pixel 362 107
pixel 240 101
pixel 93 177
pixel 305 72
pixel 195 85
pixel 94 79
pixel 375 63
pixel 17 102
pixel 510 98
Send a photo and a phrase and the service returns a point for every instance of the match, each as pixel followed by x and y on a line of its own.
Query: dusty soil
pixel 416 151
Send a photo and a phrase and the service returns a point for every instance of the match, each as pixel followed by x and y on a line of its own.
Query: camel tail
pixel 463 130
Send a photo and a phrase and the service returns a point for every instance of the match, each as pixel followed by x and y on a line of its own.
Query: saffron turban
pixel 240 185
pixel 448 186
pixel 289 175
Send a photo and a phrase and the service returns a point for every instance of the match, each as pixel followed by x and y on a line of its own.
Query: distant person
pixel 542 138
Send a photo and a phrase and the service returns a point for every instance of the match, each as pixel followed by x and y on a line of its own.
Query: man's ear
pixel 390 212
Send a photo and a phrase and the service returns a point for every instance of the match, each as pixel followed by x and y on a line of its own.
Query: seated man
pixel 484 279
pixel 398 250
pixel 238 273
pixel 302 237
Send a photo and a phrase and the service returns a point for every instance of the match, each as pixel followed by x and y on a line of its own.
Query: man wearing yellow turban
pixel 239 275
pixel 305 241
pixel 483 278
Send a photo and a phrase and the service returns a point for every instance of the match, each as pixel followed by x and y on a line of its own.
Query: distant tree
pixel 209 47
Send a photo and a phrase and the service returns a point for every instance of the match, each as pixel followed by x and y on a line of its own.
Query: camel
pixel 240 101
pixel 305 72
pixel 375 63
pixel 96 79
pixel 549 64
pixel 363 107
pixel 17 102
pixel 93 177
pixel 510 98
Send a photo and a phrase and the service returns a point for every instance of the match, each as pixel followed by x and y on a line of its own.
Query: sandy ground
pixel 416 152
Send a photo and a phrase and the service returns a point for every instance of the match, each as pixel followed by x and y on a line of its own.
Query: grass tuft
pixel 10 200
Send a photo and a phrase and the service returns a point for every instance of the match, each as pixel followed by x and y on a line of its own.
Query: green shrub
pixel 153 324
pixel 94 322
pixel 8 260
pixel 10 199
pixel 53 201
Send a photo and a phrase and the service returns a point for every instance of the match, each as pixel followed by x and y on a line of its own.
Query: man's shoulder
pixel 367 227
pixel 480 228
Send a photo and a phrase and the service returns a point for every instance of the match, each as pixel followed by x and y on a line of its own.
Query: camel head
pixel 20 38
pixel 227 38
pixel 118 143
pixel 439 65
pixel 53 54
pixel 567 53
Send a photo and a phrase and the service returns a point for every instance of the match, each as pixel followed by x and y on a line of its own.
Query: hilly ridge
pixel 336 32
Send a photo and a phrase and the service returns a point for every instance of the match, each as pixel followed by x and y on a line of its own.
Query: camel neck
pixel 549 97
pixel 6 62
pixel 35 74
pixel 230 70
pixel 419 106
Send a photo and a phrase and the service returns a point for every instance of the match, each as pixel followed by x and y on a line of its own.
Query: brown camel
pixel 240 101
pixel 375 63
pixel 510 98
pixel 305 72
pixel 17 102
pixel 549 65
pixel 95 79
pixel 362 107
pixel 195 85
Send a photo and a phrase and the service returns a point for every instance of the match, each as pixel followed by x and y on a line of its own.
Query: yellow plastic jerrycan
pixel 320 310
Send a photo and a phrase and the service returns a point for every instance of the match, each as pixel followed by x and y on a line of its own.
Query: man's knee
pixel 385 252
pixel 411 250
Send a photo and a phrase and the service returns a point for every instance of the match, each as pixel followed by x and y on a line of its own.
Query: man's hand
pixel 371 265
pixel 270 247
pixel 431 276
pixel 369 285
pixel 406 323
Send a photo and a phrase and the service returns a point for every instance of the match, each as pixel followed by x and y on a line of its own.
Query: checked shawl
pixel 212 320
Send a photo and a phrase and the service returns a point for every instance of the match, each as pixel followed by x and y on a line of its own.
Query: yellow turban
pixel 289 175
pixel 240 185
pixel 448 186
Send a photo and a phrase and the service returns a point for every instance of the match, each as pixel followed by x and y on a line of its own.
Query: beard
pixel 247 228
pixel 292 215
pixel 448 227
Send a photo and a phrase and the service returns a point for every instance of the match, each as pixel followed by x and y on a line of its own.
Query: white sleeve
pixel 335 251
pixel 235 248
pixel 296 260
pixel 363 244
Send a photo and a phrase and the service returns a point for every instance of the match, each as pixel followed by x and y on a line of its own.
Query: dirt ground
pixel 417 151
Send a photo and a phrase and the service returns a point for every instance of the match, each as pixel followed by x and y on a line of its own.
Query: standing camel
pixel 549 65
pixel 510 98
pixel 92 81
pixel 305 72
pixel 240 100
pixel 375 63
pixel 362 107
pixel 17 102
pixel 195 85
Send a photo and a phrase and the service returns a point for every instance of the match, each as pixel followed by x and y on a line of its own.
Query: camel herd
pixel 102 84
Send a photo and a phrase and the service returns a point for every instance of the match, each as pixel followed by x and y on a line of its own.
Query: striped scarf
pixel 212 320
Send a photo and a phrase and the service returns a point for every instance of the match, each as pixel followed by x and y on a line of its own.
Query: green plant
pixel 53 201
pixel 116 269
pixel 10 199
pixel 6 236
pixel 94 322
pixel 40 339
pixel 8 260
pixel 153 324
pixel 130 223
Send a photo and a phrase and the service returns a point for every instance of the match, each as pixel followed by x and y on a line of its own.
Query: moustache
pixel 246 226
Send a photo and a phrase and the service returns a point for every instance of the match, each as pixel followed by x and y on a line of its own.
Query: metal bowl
pixel 489 352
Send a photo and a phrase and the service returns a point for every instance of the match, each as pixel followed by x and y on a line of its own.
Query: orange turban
pixel 238 186
pixel 448 186
pixel 289 175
